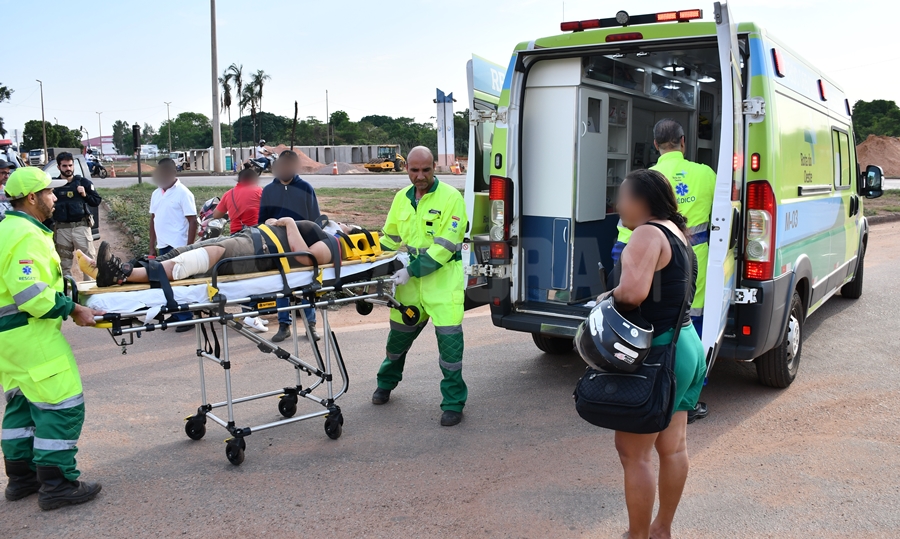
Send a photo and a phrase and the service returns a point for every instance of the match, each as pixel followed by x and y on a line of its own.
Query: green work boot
pixel 57 491
pixel 23 480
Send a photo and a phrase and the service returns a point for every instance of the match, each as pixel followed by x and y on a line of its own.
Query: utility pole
pixel 43 122
pixel 217 130
pixel 100 130
pixel 169 124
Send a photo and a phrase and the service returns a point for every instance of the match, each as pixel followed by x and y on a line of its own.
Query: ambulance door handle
pixel 584 129
pixel 565 234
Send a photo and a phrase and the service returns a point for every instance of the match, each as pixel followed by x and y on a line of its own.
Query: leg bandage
pixel 193 262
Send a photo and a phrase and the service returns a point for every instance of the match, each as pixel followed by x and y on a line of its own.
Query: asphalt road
pixel 385 181
pixel 819 459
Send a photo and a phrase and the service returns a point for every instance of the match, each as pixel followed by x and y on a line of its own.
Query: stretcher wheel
pixel 333 427
pixel 410 315
pixel 234 450
pixel 364 308
pixel 287 405
pixel 195 427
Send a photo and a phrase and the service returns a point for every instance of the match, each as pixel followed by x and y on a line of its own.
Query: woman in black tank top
pixel 651 281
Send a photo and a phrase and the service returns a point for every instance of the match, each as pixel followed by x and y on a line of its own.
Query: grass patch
pixel 886 204
pixel 130 206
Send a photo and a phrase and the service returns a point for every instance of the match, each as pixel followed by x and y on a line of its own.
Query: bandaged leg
pixel 86 264
pixel 190 263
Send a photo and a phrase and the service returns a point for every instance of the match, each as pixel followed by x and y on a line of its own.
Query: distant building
pixel 104 143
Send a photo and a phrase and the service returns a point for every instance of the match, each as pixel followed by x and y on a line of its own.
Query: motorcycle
pixel 97 169
pixel 210 227
pixel 262 164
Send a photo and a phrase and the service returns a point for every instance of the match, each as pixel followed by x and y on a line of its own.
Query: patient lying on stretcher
pixel 281 235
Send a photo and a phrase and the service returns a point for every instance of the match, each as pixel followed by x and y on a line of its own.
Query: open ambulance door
pixel 485 83
pixel 726 210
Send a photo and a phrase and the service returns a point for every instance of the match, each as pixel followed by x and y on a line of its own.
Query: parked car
pixel 81 169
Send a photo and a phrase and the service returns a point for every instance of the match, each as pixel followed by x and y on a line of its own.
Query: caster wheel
pixel 287 406
pixel 410 315
pixel 195 427
pixel 364 308
pixel 333 427
pixel 234 451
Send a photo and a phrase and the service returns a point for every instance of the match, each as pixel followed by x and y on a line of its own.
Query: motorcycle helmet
pixel 609 341
pixel 262 141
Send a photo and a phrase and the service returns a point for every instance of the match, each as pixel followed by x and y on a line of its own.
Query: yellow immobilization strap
pixel 268 232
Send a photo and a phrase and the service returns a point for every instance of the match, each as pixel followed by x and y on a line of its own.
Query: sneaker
pixel 255 324
pixel 284 332
pixel 263 321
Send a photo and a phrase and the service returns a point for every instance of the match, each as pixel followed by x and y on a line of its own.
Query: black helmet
pixel 606 340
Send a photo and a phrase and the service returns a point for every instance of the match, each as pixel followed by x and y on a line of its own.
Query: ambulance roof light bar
pixel 622 18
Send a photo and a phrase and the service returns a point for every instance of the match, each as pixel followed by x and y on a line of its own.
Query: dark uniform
pixel 72 220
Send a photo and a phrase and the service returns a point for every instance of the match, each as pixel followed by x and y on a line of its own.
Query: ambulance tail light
pixel 501 204
pixel 760 252
pixel 754 162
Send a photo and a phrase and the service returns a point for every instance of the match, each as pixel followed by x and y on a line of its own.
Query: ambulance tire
pixel 556 346
pixel 853 289
pixel 778 367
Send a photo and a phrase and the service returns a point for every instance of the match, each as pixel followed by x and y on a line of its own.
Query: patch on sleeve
pixel 455 218
pixel 29 262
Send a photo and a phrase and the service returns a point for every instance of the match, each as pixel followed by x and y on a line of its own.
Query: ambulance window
pixel 842 161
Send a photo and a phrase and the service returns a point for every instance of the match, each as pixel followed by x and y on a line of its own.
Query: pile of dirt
pixel 343 168
pixel 881 151
pixel 307 164
pixel 132 168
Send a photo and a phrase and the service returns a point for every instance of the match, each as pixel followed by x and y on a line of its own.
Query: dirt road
pixel 818 460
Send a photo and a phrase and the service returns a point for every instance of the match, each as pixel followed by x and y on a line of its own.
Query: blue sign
pixel 488 76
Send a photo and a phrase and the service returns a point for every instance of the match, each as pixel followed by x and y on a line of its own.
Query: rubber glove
pixel 401 277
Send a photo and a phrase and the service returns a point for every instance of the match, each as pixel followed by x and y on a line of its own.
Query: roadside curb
pixel 880 219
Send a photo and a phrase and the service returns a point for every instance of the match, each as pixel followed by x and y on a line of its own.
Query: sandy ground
pixel 817 460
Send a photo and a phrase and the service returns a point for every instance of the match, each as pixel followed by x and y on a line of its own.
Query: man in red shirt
pixel 241 204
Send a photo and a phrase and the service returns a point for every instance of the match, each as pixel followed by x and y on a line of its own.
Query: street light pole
pixel 169 124
pixel 100 130
pixel 217 130
pixel 43 122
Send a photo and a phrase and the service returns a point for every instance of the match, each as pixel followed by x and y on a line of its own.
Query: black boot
pixel 57 491
pixel 22 480
pixel 381 396
pixel 284 331
pixel 699 412
pixel 313 332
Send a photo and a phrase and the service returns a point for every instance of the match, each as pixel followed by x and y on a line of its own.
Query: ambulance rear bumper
pixel 765 320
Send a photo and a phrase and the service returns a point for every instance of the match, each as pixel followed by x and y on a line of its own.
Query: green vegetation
pixel 886 204
pixel 878 117
pixel 129 207
pixel 5 94
pixel 58 136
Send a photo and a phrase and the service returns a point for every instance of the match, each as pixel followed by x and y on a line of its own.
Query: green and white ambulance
pixel 575 114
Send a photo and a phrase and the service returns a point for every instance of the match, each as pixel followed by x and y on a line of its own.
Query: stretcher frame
pixel 365 294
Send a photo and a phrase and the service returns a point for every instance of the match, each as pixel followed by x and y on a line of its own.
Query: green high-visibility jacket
pixel 34 355
pixel 695 186
pixel 432 229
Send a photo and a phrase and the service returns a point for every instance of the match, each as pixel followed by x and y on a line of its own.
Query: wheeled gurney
pixel 133 309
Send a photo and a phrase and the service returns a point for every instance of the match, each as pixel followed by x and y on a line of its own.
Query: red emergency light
pixel 624 19
pixel 776 57
pixel 822 90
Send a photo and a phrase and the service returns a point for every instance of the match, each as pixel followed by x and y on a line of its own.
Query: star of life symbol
pixel 27 270
pixel 681 189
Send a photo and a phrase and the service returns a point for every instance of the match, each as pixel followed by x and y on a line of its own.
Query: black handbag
pixel 642 402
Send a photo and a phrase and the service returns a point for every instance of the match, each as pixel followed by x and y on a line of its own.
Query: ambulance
pixel 575 113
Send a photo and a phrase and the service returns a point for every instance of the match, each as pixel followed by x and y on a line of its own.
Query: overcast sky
pixel 125 58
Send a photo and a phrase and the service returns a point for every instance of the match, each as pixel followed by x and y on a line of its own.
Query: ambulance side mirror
pixel 871 182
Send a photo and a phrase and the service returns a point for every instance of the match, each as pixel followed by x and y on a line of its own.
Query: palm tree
pixel 225 82
pixel 257 81
pixel 237 76
pixel 249 99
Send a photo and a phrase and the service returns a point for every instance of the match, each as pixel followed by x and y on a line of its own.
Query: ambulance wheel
pixel 778 367
pixel 195 427
pixel 333 427
pixel 556 346
pixel 853 289
pixel 364 308
pixel 234 450
pixel 287 405
pixel 410 315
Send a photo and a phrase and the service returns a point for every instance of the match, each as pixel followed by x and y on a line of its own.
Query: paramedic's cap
pixel 27 180
pixel 6 164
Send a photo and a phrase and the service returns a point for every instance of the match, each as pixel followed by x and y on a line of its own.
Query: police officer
pixel 44 400
pixel 695 186
pixel 72 219
pixel 429 218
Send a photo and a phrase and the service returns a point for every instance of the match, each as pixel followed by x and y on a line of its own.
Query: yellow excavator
pixel 388 160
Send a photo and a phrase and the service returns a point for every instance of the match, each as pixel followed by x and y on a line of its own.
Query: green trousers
pixel 43 434
pixel 450 347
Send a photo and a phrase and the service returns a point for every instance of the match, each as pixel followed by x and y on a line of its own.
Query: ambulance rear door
pixel 726 209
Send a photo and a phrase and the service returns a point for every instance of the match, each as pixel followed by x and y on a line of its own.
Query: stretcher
pixel 135 309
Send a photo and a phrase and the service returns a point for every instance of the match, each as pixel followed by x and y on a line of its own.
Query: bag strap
pixel 236 213
pixel 673 243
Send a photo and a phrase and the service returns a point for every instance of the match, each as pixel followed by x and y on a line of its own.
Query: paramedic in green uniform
pixel 694 185
pixel 44 400
pixel 429 219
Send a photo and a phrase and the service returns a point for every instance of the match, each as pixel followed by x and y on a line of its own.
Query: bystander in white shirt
pixel 170 209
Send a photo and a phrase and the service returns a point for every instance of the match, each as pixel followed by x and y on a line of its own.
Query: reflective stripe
pixel 9 310
pixel 71 402
pixel 12 393
pixel 700 238
pixel 447 244
pixel 403 328
pixel 29 293
pixel 448 330
pixel 449 366
pixel 394 357
pixel 397 239
pixel 696 311
pixel 53 445
pixel 698 229
pixel 415 250
pixel 17 434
